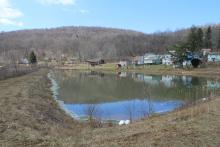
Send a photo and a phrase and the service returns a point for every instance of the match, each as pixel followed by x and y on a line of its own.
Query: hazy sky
pixel 141 15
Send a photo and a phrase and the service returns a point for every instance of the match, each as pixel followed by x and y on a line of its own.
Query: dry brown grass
pixel 30 117
pixel 193 126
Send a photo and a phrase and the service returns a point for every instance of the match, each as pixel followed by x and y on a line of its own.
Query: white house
pixel 150 58
pixel 214 57
pixel 24 61
pixel 123 63
pixel 167 59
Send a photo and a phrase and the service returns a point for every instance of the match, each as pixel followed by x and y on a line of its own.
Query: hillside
pixel 86 42
pixel 89 42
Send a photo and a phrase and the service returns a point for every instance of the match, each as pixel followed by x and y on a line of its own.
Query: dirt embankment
pixel 30 117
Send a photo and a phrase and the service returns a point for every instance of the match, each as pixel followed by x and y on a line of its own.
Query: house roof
pixel 94 60
pixel 147 54
pixel 137 57
pixel 206 49
pixel 151 56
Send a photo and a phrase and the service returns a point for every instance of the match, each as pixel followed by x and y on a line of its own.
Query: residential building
pixel 23 61
pixel 138 60
pixel 167 59
pixel 205 52
pixel 151 58
pixel 123 63
pixel 214 57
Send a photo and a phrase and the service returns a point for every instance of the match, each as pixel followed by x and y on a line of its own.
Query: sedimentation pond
pixel 125 95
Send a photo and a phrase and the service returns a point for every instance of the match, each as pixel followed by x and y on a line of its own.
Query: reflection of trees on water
pixel 178 86
pixel 213 84
pixel 95 74
pixel 167 80
pixel 137 95
pixel 148 102
pixel 81 87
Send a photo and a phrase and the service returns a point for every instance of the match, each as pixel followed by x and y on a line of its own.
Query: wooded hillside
pixel 88 42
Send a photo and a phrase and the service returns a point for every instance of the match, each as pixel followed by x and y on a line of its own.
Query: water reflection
pixel 126 110
pixel 213 84
pixel 128 95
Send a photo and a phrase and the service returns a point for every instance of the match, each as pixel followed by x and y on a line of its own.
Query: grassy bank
pixel 196 125
pixel 30 117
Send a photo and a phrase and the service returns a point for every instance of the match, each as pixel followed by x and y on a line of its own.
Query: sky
pixel 146 16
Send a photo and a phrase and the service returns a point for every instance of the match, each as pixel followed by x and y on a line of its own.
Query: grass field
pixel 30 117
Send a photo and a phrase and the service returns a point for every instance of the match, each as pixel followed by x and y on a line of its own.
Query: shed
pixel 95 62
pixel 138 60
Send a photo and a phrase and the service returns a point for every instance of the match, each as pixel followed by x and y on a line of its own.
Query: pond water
pixel 127 96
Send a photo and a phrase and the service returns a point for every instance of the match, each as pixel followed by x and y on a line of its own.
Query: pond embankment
pixel 31 117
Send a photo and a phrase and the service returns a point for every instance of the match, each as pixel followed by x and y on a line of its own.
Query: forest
pixel 98 42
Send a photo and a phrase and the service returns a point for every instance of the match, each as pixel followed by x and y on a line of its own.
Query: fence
pixel 10 71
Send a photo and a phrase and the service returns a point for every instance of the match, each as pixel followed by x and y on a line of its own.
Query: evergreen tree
pixel 199 39
pixel 208 37
pixel 218 42
pixel 32 58
pixel 180 54
pixel 192 39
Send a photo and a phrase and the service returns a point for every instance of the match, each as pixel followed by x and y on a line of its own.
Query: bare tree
pixel 130 109
pixel 88 41
pixel 13 62
pixel 94 115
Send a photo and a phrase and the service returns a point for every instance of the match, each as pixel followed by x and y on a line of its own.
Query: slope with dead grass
pixel 30 117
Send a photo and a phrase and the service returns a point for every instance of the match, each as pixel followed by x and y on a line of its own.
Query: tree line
pixel 97 42
pixel 198 38
pixel 201 38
